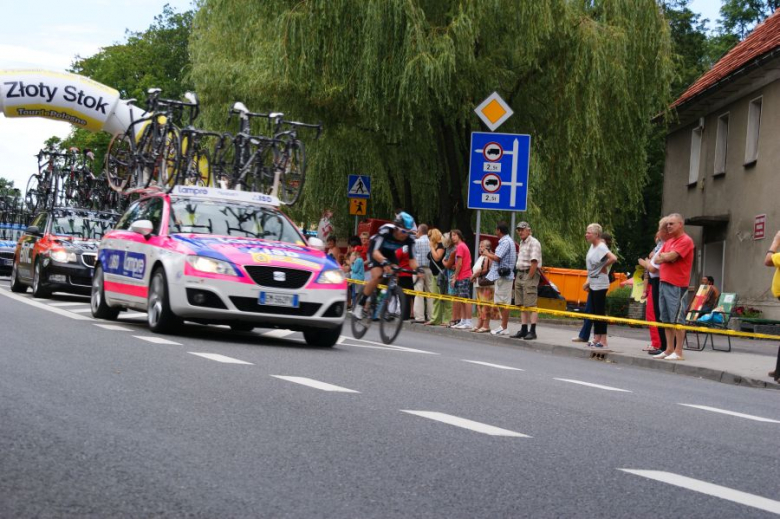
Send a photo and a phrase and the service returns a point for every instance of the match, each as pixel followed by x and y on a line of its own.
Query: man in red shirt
pixel 675 260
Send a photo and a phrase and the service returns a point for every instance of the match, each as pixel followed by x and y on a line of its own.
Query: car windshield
pixel 89 225
pixel 231 219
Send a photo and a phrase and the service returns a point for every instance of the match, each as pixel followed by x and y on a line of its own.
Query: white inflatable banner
pixel 64 97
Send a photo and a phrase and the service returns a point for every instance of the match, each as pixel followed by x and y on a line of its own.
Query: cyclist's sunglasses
pixel 404 231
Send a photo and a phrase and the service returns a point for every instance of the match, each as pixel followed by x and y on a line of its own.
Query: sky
pixel 49 34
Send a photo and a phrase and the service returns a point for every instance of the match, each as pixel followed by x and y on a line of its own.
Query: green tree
pixel 738 19
pixel 395 83
pixel 156 57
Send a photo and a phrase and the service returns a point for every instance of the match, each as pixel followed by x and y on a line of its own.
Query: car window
pixel 231 219
pixel 40 221
pixel 131 215
pixel 79 223
pixel 152 212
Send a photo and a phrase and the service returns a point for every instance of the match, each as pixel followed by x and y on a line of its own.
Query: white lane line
pixel 466 424
pixel 316 384
pixel 488 364
pixel 381 346
pixel 156 340
pixel 131 315
pixel 220 358
pixel 710 489
pixel 599 386
pixel 732 413
pixel 69 304
pixel 81 310
pixel 114 328
pixel 44 306
pixel 278 334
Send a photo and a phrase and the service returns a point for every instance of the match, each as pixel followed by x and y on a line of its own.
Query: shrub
pixel 618 301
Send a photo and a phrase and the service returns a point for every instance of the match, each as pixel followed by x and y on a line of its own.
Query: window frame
pixel 753 132
pixel 694 164
pixel 721 145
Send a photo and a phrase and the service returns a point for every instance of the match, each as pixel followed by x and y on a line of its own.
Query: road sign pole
pixel 476 250
pixel 356 224
pixel 512 228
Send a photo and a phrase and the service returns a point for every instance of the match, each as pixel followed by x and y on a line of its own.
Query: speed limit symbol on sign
pixel 491 183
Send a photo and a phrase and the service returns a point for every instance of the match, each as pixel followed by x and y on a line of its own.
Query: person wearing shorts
pixel 675 261
pixel 502 273
pixel 461 281
pixel 529 261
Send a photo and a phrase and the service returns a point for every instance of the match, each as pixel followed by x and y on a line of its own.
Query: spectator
pixel 357 272
pixel 485 293
pixel 502 274
pixel 587 325
pixel 363 249
pixel 331 249
pixel 449 269
pixel 675 260
pixel 712 296
pixel 772 259
pixel 423 306
pixel 652 272
pixel 441 309
pixel 461 281
pixel 597 262
pixel 529 261
pixel 325 227
pixel 405 279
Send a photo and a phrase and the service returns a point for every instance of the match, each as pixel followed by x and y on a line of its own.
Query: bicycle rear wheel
pixel 166 161
pixel 361 326
pixel 31 194
pixel 120 163
pixel 293 172
pixel 224 163
pixel 391 313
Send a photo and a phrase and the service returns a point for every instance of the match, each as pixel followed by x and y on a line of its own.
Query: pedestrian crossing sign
pixel 359 186
pixel 358 206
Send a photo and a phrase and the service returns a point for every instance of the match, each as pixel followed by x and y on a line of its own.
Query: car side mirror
pixel 33 230
pixel 142 227
pixel 316 243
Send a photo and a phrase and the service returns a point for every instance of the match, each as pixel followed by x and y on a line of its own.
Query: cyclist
pixel 381 256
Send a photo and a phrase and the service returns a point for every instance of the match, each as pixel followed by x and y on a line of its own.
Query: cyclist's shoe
pixel 357 311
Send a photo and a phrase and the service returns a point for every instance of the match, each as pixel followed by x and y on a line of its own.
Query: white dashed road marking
pixel 732 413
pixel 316 384
pixel 220 358
pixel 114 327
pixel 466 424
pixel 44 306
pixel 81 310
pixel 71 303
pixel 599 386
pixel 380 346
pixel 488 364
pixel 278 334
pixel 131 315
pixel 710 489
pixel 156 340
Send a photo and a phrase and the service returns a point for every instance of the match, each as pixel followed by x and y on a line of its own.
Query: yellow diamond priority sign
pixel 493 111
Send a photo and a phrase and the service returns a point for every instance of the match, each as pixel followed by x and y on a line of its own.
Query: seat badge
pixel 280 276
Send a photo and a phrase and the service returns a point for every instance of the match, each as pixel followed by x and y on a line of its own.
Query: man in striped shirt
pixel 424 281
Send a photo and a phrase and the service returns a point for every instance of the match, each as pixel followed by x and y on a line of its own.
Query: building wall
pixel 743 192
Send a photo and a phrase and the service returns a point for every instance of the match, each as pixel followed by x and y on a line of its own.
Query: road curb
pixel 609 357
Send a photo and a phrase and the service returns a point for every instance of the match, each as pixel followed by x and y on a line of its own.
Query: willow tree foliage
pixel 395 83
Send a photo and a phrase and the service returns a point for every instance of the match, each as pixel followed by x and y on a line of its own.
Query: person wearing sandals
pixel 597 262
pixel 772 259
pixel 587 325
pixel 485 293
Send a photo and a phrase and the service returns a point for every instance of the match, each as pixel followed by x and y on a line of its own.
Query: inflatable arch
pixel 65 97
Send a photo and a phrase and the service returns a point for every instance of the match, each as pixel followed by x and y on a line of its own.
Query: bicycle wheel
pixel 391 313
pixel 361 326
pixel 196 169
pixel 223 165
pixel 120 163
pixel 166 160
pixel 31 194
pixel 293 172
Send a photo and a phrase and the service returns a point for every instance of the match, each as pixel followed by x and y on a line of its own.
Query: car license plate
pixel 271 299
pixel 7 262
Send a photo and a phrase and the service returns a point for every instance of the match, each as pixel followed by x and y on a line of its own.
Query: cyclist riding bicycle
pixel 381 255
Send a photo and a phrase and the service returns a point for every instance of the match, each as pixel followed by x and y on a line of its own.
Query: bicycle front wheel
pixel 361 326
pixel 391 314
pixel 293 172
pixel 120 163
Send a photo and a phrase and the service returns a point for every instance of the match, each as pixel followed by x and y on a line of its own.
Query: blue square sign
pixel 498 171
pixel 359 186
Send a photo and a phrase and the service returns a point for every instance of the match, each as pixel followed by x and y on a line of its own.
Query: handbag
pixel 504 271
pixel 483 281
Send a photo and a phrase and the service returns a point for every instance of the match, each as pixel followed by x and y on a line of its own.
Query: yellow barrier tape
pixel 579 315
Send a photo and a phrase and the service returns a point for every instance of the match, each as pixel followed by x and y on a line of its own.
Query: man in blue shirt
pixel 502 273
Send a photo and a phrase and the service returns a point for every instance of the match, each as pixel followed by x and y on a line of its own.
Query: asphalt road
pixel 101 422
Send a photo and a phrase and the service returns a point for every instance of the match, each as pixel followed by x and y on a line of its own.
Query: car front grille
pixel 6 255
pixel 272 276
pixel 249 304
pixel 89 259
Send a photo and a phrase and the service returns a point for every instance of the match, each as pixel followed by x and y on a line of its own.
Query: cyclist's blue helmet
pixel 404 220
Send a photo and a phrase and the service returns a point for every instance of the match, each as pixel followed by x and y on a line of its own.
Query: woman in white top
pixel 597 262
pixel 652 273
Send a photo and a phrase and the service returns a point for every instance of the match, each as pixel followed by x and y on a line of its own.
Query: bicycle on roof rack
pixel 195 165
pixel 386 306
pixel 148 153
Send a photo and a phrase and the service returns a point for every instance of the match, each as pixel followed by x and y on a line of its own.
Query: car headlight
pixel 63 256
pixel 211 266
pixel 333 277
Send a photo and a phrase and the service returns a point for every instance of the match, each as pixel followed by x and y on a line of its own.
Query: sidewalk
pixel 747 364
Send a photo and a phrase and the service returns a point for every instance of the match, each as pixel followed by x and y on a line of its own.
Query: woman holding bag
pixel 486 312
pixel 441 311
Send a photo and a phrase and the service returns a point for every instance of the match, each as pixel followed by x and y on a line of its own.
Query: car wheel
pixel 97 301
pixel 16 285
pixel 159 315
pixel 242 327
pixel 38 290
pixel 322 338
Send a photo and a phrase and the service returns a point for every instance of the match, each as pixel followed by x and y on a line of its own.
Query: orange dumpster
pixel 570 281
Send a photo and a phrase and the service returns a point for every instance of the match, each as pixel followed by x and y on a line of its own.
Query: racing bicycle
pixel 387 306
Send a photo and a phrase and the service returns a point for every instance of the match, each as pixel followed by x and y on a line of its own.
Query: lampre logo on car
pixel 122 263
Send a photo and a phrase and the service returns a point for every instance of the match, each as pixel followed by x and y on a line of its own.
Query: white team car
pixel 217 256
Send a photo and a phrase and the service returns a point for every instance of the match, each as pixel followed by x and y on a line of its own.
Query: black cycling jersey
pixel 385 242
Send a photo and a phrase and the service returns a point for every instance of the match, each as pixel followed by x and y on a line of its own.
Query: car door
pixel 119 283
pixel 26 246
